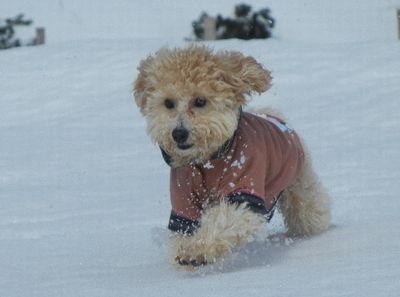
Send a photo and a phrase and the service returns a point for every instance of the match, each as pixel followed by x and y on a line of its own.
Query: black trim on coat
pixel 254 203
pixel 221 152
pixel 181 224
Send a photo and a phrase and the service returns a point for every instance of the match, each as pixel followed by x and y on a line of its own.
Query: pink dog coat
pixel 260 161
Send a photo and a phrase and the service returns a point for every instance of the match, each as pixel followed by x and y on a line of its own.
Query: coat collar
pixel 221 152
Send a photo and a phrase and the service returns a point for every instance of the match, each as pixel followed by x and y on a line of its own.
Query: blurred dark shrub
pixel 245 25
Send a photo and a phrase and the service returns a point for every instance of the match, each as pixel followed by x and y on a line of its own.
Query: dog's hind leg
pixel 305 205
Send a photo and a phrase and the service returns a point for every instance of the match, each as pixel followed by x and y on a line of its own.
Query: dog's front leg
pixel 222 227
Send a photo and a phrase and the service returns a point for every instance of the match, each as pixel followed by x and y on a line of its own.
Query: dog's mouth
pixel 183 146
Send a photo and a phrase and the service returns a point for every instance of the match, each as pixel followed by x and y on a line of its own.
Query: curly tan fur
pixel 224 79
pixel 305 205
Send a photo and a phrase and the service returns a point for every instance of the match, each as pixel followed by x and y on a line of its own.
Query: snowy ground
pixel 84 194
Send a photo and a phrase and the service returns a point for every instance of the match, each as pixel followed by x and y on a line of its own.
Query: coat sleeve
pixel 185 202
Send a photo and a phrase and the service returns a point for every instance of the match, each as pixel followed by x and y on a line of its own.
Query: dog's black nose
pixel 180 135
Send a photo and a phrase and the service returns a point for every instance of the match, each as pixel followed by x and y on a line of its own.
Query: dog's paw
pixel 196 254
pixel 192 256
pixel 196 262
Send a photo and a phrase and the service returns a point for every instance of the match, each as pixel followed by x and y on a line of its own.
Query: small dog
pixel 229 168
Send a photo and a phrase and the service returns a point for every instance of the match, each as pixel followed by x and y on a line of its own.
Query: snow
pixel 208 165
pixel 84 193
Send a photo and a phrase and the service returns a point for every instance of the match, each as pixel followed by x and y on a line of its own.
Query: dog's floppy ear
pixel 244 73
pixel 141 84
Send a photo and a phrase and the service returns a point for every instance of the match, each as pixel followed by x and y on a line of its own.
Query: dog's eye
pixel 169 103
pixel 200 102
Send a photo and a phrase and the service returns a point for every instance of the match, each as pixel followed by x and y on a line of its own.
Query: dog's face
pixel 191 98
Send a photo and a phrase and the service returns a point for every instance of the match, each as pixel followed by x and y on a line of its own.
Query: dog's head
pixel 191 98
